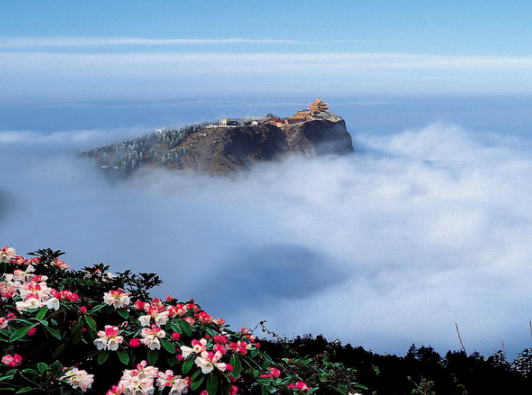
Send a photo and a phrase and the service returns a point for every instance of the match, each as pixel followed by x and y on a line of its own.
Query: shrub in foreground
pixel 68 331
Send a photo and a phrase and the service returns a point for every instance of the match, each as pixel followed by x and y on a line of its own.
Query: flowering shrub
pixel 65 332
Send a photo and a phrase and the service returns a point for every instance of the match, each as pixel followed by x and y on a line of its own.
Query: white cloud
pixel 39 42
pixel 170 75
pixel 71 138
pixel 428 228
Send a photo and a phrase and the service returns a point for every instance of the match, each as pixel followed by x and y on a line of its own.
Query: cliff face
pixel 225 150
pixel 228 150
pixel 319 137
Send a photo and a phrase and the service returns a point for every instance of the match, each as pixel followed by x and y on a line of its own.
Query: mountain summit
pixel 230 145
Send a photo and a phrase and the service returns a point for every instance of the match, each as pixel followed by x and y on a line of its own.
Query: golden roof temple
pixel 318 106
pixel 308 114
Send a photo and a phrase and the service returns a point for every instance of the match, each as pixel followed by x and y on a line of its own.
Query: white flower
pixel 208 360
pixel 53 304
pixel 108 339
pixel 7 254
pixel 145 320
pixel 205 365
pixel 152 342
pixel 21 306
pixel 78 379
pixel 117 298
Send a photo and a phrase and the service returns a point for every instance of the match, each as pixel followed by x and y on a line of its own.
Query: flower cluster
pixel 116 298
pixel 175 347
pixel 108 339
pixel 78 379
pixel 12 360
pixel 144 379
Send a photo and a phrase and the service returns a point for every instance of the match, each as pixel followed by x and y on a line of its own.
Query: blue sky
pixel 426 27
pixel 173 50
pixel 427 225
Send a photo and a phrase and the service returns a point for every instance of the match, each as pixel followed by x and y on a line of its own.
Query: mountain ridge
pixel 230 145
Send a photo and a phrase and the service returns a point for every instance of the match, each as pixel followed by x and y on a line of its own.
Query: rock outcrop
pixel 224 150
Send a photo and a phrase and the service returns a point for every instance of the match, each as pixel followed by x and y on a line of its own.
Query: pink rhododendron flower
pixel 275 372
pixel 156 313
pixel 117 298
pixel 241 347
pixel 19 260
pixel 150 337
pixel 32 332
pixel 175 335
pixel 300 385
pixel 220 348
pixel 3 323
pixel 60 264
pixel 177 310
pixel 78 379
pixel 138 381
pixel 190 320
pixel 208 360
pixel 204 317
pixel 198 346
pixel 177 384
pixel 108 339
pixel 7 254
pixel 134 343
pixel 12 360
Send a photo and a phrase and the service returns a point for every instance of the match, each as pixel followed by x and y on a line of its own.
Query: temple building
pixel 318 106
pixel 308 114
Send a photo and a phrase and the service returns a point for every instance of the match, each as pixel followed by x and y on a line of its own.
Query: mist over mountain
pixel 228 145
pixel 421 229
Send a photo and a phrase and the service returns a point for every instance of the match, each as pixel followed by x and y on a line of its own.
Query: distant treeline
pixel 157 148
pixel 422 370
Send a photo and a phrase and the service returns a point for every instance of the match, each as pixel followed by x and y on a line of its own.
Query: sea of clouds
pixel 417 231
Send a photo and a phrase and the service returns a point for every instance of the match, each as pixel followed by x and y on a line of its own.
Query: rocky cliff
pixel 218 150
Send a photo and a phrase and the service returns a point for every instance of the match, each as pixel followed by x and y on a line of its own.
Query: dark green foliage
pixel 421 369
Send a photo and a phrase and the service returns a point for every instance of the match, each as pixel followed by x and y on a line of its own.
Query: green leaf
pixel 58 350
pixel 264 390
pixel 168 346
pixel 175 326
pixel 40 315
pixel 196 384
pixel 76 332
pixel 21 332
pixel 57 367
pixel 42 367
pixel 6 378
pixel 195 375
pixel 123 357
pixel 153 355
pixel 102 357
pixel 188 364
pixel 212 384
pixel 24 390
pixel 97 308
pixel 53 332
pixel 237 366
pixel 124 313
pixel 171 360
pixel 90 322
pixel 187 330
